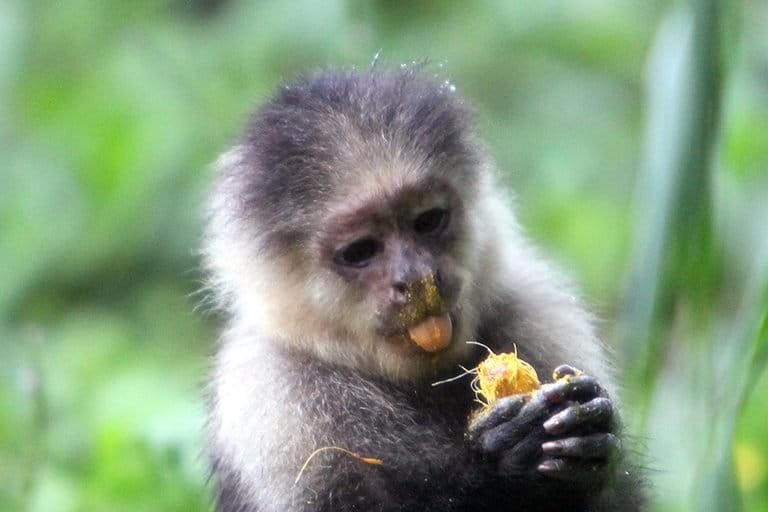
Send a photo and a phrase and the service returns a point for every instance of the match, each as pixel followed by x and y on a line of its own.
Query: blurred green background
pixel 635 136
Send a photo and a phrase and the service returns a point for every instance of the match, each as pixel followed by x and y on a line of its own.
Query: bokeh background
pixel 634 133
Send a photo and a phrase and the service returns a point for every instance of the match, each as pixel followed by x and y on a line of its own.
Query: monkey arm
pixel 562 440
pixel 430 464
pixel 427 463
pixel 568 436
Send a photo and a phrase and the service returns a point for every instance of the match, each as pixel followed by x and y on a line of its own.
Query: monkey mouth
pixel 432 334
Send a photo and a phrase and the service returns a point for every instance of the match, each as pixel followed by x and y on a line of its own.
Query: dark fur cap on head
pixel 331 127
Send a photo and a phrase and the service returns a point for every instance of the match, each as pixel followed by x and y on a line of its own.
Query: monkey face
pixel 348 217
pixel 397 252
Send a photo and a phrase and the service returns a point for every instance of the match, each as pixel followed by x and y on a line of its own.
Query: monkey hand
pixel 563 433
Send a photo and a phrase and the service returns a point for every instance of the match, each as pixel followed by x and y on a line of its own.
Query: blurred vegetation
pixel 110 113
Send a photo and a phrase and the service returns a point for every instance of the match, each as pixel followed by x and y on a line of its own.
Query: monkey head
pixel 352 216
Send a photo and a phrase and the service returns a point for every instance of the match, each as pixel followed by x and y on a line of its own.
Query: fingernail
pixel 552 425
pixel 551 447
pixel 548 466
pixel 562 371
pixel 552 393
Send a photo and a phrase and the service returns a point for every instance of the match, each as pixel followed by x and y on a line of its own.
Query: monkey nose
pixel 399 292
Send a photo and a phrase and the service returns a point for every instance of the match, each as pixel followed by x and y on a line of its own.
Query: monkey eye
pixel 431 222
pixel 359 253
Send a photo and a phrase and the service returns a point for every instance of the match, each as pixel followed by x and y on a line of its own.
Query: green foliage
pixel 110 113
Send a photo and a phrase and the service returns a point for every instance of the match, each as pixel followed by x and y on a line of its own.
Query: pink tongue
pixel 432 334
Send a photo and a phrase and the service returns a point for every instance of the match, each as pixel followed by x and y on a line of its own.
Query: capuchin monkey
pixel 357 239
